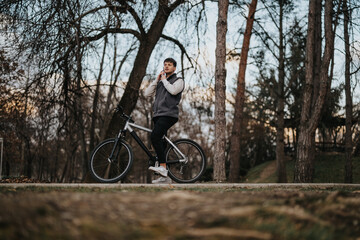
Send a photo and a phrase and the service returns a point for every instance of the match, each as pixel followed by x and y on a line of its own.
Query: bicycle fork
pixel 115 151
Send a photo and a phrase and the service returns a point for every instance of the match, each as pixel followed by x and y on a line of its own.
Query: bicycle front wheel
pixel 193 168
pixel 109 163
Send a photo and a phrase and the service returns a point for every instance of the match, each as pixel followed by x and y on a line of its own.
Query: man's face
pixel 169 67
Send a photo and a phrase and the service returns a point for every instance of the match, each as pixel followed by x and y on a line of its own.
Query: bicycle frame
pixel 129 127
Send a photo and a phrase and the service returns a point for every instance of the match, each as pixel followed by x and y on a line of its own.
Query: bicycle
pixel 112 159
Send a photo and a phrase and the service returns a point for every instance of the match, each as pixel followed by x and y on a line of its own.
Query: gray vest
pixel 166 104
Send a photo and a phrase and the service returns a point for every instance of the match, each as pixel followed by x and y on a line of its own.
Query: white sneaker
pixel 161 170
pixel 161 180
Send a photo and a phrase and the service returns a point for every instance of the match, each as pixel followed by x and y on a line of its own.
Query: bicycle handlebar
pixel 119 109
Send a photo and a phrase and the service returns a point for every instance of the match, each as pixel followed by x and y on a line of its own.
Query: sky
pixel 237 22
pixel 206 57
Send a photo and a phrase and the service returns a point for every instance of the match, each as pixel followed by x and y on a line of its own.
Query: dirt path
pixel 172 212
pixel 267 172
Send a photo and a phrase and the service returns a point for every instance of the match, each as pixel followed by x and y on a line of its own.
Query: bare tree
pixel 310 116
pixel 348 107
pixel 62 34
pixel 280 113
pixel 278 85
pixel 147 41
pixel 235 137
pixel 220 95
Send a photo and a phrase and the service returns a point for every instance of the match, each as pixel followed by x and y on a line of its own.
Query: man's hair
pixel 170 60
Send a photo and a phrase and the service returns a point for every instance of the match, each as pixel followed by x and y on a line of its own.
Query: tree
pixel 61 36
pixel 348 107
pixel 280 156
pixel 275 44
pixel 310 116
pixel 147 41
pixel 235 150
pixel 260 136
pixel 278 91
pixel 295 65
pixel 14 126
pixel 220 94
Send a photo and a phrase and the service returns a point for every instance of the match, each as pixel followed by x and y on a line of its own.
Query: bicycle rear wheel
pixel 185 172
pixel 107 169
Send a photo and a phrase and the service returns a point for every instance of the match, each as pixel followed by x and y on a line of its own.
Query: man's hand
pixel 161 76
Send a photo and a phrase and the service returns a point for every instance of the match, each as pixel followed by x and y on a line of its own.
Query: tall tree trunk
pixel 317 43
pixel 147 44
pixel 310 119
pixel 94 113
pixel 27 158
pixel 315 81
pixel 303 164
pixel 235 138
pixel 78 104
pixel 348 107
pixel 280 155
pixel 220 92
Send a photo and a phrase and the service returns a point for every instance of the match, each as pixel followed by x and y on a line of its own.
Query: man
pixel 168 88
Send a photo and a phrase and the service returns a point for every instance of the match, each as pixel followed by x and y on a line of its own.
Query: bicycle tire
pixel 191 171
pixel 104 170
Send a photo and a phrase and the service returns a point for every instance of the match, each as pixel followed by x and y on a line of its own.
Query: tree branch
pixel 270 14
pixel 90 12
pixel 133 14
pixel 265 42
pixel 175 4
pixel 111 30
pixel 267 35
pixel 96 37
pixel 354 72
pixel 182 48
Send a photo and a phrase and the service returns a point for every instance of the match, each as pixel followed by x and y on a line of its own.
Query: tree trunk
pixel 235 138
pixel 304 168
pixel 310 119
pixel 28 169
pixel 220 94
pixel 79 104
pixel 317 46
pixel 304 155
pixel 280 155
pixel 348 107
pixel 94 113
pixel 147 44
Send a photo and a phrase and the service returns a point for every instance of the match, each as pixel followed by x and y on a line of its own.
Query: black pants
pixel 161 126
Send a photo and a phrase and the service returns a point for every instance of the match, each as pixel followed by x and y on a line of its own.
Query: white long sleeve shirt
pixel 173 89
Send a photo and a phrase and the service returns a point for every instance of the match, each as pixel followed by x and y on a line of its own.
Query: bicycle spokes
pixel 110 161
pixel 186 161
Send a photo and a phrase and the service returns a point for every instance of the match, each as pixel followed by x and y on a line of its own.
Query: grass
pixel 329 168
pixel 42 212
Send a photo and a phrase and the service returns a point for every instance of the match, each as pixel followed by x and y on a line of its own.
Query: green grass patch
pixel 329 168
